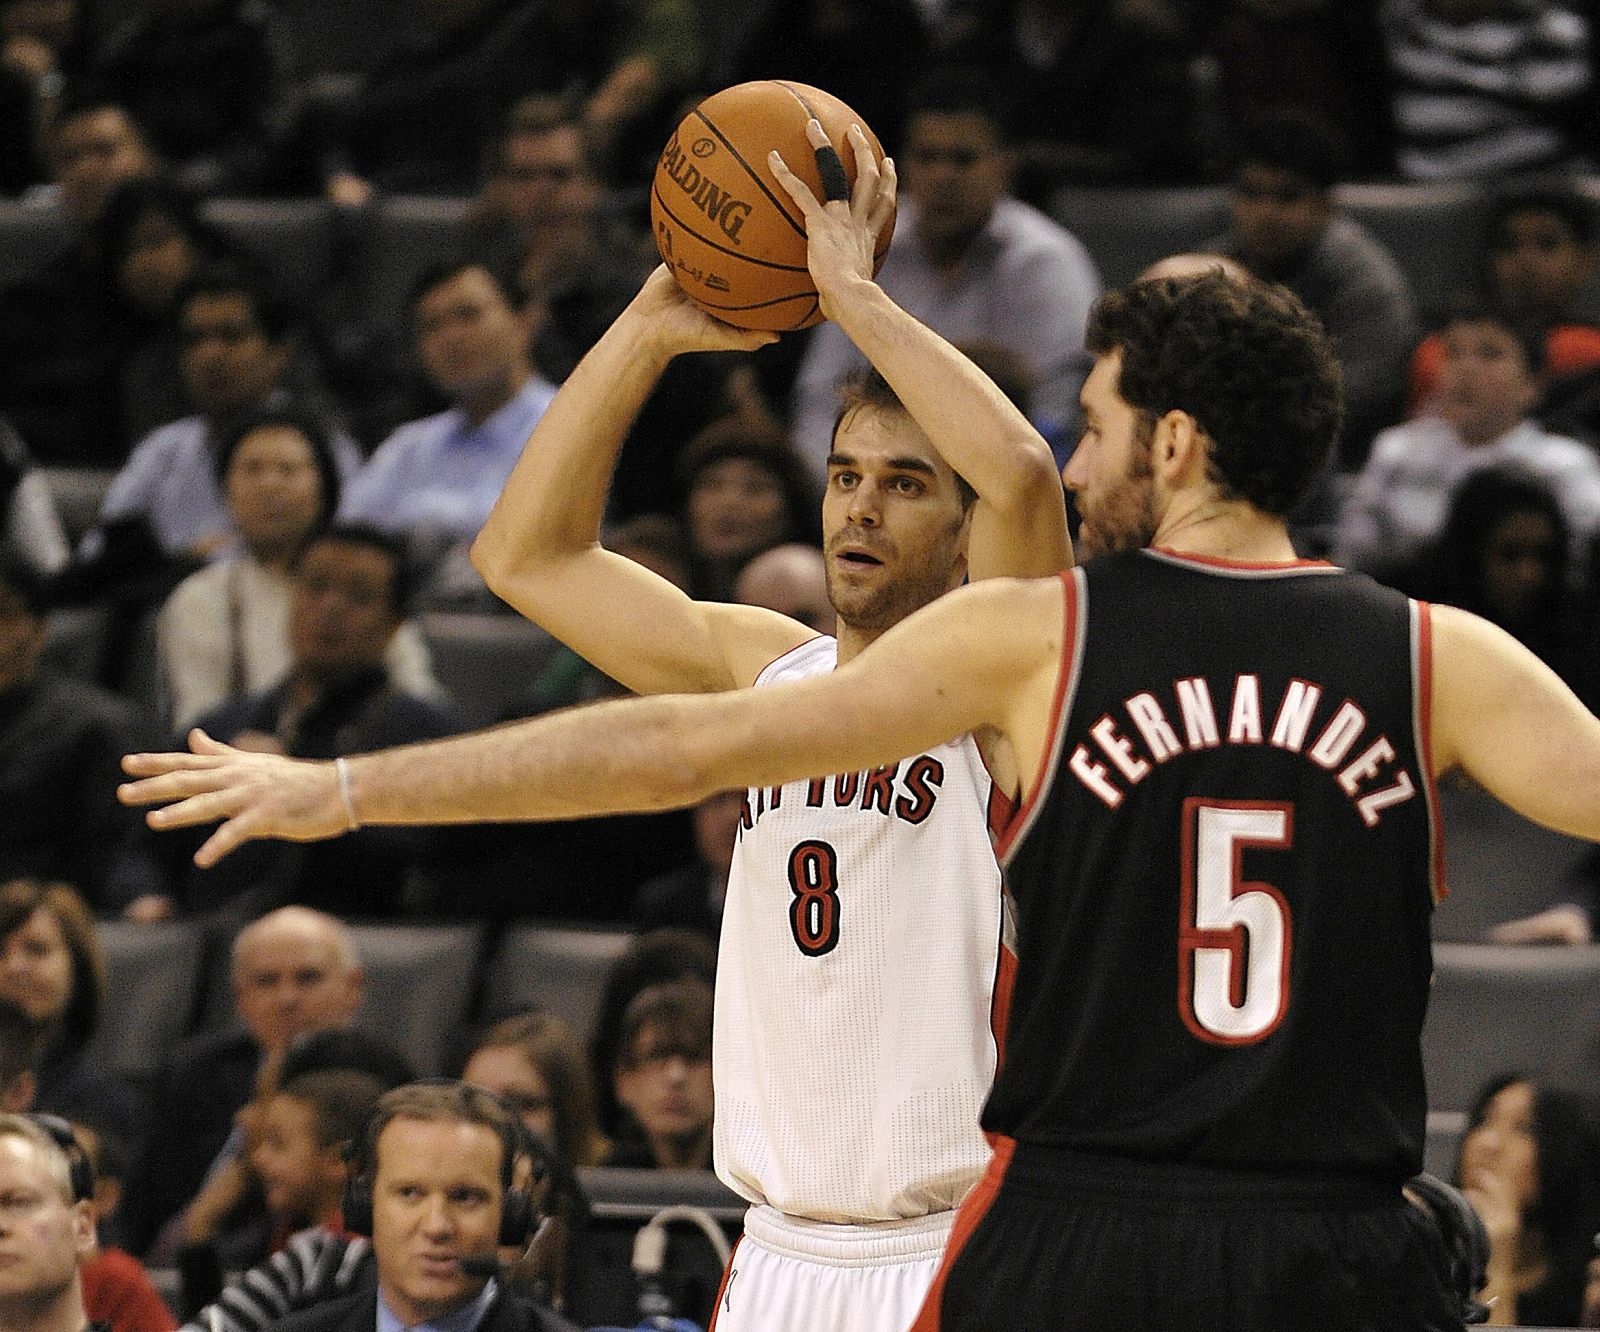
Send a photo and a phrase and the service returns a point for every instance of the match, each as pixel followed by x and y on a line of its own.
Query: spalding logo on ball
pixel 725 227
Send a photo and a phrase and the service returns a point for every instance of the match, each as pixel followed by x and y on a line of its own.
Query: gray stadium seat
pixel 1498 864
pixel 152 973
pixel 75 641
pixel 78 493
pixel 1434 230
pixel 29 239
pixel 292 238
pixel 409 232
pixel 1503 1009
pixel 419 986
pixel 558 969
pixel 486 661
pixel 1445 1130
pixel 1128 229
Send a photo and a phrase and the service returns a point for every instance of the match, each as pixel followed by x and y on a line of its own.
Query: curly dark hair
pixel 1246 360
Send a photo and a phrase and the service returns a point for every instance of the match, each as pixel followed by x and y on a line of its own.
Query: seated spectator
pixel 212 80
pixel 117 1290
pixel 294 971
pixel 662 1079
pixel 51 967
pixel 93 145
pixel 1104 91
pixel 1489 87
pixel 691 898
pixel 63 742
pixel 30 528
pixel 746 491
pixel 238 343
pixel 969 261
pixel 41 46
pixel 1530 1165
pixel 1503 554
pixel 224 631
pixel 1286 227
pixel 43 1289
pixel 1488 385
pixel 791 579
pixel 436 479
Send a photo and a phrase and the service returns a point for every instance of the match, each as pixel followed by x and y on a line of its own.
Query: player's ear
pixel 1178 449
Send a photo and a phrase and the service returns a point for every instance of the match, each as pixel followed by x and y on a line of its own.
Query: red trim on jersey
pixel 1424 723
pixel 1064 677
pixel 722 1286
pixel 1001 809
pixel 1216 562
pixel 1005 983
pixel 980 1198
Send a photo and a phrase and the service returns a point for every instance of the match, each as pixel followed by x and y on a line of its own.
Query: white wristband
pixel 342 769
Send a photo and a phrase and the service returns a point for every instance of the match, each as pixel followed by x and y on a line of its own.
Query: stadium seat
pixel 419 986
pixel 1434 230
pixel 558 969
pixel 486 661
pixel 292 238
pixel 1128 229
pixel 78 493
pixel 29 239
pixel 1445 1130
pixel 152 975
pixel 1503 1009
pixel 407 233
pixel 75 641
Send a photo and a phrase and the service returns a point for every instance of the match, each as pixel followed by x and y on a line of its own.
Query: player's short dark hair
pixel 869 390
pixel 1246 360
pixel 403 585
pixel 1297 142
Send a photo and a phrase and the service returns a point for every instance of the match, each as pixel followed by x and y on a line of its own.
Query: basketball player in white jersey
pixel 857 1023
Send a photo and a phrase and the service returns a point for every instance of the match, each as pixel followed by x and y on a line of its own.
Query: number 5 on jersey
pixel 1233 937
pixel 814 913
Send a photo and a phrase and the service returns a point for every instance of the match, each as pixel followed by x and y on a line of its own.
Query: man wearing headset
pixel 46 1230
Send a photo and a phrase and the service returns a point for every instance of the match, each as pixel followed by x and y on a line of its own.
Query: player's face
pixel 1109 472
pixel 894 530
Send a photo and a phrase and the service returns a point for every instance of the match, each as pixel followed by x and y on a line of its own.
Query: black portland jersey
pixel 1225 878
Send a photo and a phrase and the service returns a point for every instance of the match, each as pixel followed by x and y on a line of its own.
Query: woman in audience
pixel 225 630
pixel 1530 1164
pixel 51 967
pixel 534 1063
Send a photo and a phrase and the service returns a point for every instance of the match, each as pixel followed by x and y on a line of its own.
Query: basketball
pixel 726 228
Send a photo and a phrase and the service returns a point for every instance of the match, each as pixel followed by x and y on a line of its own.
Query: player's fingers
pixel 151 765
pixel 176 785
pixel 229 837
pixel 797 189
pixel 206 807
pixel 835 183
pixel 201 743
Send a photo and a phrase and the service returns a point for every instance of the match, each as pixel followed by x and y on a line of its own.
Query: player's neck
pixel 852 641
pixel 1224 530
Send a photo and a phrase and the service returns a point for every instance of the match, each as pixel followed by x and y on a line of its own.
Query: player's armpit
pixel 1513 725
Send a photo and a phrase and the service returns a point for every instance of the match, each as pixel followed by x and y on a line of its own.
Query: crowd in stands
pixel 290 438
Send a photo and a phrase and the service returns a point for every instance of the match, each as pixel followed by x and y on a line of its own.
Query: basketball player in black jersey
pixel 1224 860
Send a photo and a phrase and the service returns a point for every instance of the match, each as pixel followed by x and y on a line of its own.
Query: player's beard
pixel 874 609
pixel 1123 516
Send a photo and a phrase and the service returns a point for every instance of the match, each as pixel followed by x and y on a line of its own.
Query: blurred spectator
pixel 213 83
pixel 117 1291
pixel 1102 89
pixel 1489 87
pixel 53 1235
pixel 30 528
pixel 224 631
pixel 969 261
pixel 63 741
pixel 1321 56
pixel 1287 228
pixel 42 43
pixel 1540 266
pixel 654 958
pixel 791 579
pixel 746 491
pixel 294 971
pixel 349 598
pixel 238 342
pixel 52 968
pixel 692 898
pixel 867 53
pixel 1530 1165
pixel 534 1063
pixel 93 146
pixel 662 1079
pixel 436 479
pixel 1503 553
pixel 1488 385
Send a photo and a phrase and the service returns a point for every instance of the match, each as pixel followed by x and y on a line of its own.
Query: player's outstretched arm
pixel 1512 724
pixel 981 657
pixel 540 549
pixel 1020 526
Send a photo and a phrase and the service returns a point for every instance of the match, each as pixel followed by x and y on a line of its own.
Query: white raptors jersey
pixel 857 988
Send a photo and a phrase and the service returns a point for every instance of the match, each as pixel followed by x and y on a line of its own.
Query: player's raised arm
pixel 1512 724
pixel 979 657
pixel 540 549
pixel 1020 523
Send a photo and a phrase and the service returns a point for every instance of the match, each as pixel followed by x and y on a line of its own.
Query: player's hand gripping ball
pixel 729 232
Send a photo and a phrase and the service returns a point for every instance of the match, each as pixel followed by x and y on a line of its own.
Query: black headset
pixel 80 1169
pixel 517 1213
